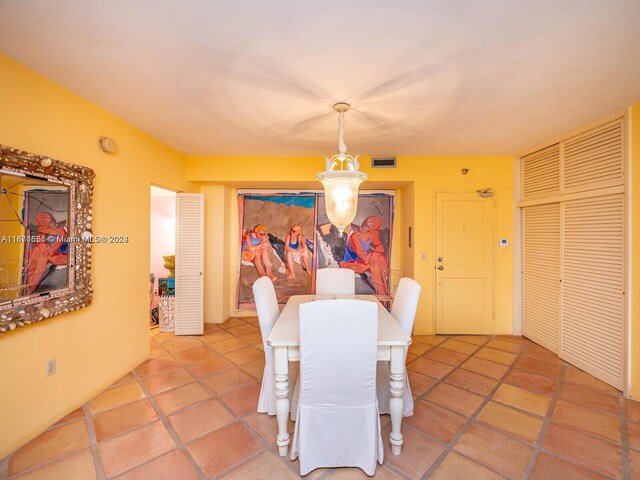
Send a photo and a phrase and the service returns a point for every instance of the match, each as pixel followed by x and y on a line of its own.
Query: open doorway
pixel 162 248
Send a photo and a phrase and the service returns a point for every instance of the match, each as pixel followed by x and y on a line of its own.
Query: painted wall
pixel 633 198
pixel 416 180
pixel 163 230
pixel 98 344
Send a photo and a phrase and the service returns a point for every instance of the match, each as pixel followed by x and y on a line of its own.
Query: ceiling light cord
pixel 342 147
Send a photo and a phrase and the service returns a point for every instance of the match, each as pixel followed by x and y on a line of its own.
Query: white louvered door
pixel 189 264
pixel 541 274
pixel 593 287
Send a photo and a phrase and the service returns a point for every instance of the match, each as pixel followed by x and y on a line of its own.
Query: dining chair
pixel 335 281
pixel 337 421
pixel 405 304
pixel 264 295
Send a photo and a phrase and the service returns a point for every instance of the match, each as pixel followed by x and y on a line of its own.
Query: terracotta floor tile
pixel 495 450
pixel 155 350
pixel 243 330
pixel 267 465
pixel 472 381
pixel 245 400
pixel 579 377
pixel 244 355
pixel 522 399
pixel 115 397
pixel 128 378
pixel 633 410
pixel 485 367
pixel 211 327
pixel 252 338
pixel 163 337
pixel 229 345
pixel 122 419
pixel 511 421
pixel 532 381
pixel 591 398
pixel 411 357
pixel 418 348
pixel 459 346
pixel 173 465
pixel 75 415
pixel 435 421
pixel 496 356
pixel 419 383
pixel 588 420
pixel 77 467
pixel 505 346
pixel 515 338
pixel 430 339
pixel 182 343
pixel 194 422
pixel 255 369
pixel 594 453
pixel 633 435
pixel 181 397
pixel 134 448
pixel 228 380
pixel 207 367
pixel 547 369
pixel 52 443
pixel 430 368
pixel 456 467
pixel 634 464
pixel 166 381
pixel 536 351
pixel 233 322
pixel 267 426
pixel 444 355
pixel 153 366
pixel 196 354
pixel 382 473
pixel 474 339
pixel 455 398
pixel 549 467
pixel 232 444
pixel 217 337
pixel 418 453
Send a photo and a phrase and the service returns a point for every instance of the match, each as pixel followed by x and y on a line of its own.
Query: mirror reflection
pixel 34 236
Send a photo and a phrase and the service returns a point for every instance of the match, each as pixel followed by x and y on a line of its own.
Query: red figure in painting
pixel 50 250
pixel 364 253
pixel 256 248
pixel 295 248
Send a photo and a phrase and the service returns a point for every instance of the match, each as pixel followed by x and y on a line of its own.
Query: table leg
pixel 396 404
pixel 281 367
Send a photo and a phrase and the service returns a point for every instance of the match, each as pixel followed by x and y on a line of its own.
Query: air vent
pixel 383 162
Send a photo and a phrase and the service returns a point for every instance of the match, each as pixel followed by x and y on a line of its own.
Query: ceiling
pixel 437 77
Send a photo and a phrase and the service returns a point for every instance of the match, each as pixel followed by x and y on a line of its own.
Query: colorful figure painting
pixel 287 236
pixel 276 240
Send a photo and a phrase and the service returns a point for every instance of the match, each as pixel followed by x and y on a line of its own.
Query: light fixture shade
pixel 341 195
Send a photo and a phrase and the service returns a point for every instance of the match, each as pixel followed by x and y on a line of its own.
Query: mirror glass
pixel 34 236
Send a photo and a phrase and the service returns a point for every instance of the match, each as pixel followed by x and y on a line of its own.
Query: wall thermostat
pixel 504 243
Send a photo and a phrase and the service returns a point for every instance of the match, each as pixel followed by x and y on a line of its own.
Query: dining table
pixel 285 341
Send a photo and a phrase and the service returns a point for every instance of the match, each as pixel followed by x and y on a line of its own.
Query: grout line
pixel 93 442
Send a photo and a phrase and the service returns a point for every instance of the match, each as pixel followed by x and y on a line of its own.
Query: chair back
pixel 264 295
pixel 405 303
pixel 335 281
pixel 338 353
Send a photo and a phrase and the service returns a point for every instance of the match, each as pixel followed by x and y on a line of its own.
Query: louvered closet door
pixel 541 274
pixel 593 286
pixel 189 263
pixel 541 173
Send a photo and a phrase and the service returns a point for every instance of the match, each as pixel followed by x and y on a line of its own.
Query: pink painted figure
pixel 296 246
pixel 365 253
pixel 50 251
pixel 256 248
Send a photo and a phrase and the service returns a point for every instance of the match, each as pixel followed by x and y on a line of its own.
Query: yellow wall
pixel 633 199
pixel 415 181
pixel 95 345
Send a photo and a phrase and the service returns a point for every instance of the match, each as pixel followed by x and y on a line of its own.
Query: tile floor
pixel 486 408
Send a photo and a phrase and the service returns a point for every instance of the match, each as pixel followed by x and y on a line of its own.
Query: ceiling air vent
pixel 383 162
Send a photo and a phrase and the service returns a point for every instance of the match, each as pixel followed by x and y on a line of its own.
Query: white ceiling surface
pixel 437 77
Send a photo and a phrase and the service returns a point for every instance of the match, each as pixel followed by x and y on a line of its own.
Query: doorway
pixel 464 263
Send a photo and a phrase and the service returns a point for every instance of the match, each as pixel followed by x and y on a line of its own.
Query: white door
pixel 189 263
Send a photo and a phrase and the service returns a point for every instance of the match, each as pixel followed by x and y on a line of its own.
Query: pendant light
pixel 341 179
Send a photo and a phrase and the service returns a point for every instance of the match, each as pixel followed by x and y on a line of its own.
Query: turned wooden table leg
pixel 281 364
pixel 396 404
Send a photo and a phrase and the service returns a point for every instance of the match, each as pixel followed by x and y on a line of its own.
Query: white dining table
pixel 285 340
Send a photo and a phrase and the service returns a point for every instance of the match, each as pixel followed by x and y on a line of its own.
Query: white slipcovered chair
pixel 264 295
pixel 338 423
pixel 335 281
pixel 405 304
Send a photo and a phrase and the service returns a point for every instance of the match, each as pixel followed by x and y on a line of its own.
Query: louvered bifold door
pixel 593 287
pixel 189 263
pixel 541 274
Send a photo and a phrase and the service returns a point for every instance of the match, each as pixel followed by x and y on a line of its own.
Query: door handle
pixel 440 267
pixel 439 259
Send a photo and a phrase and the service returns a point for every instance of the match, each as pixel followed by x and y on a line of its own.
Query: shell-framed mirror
pixel 45 237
